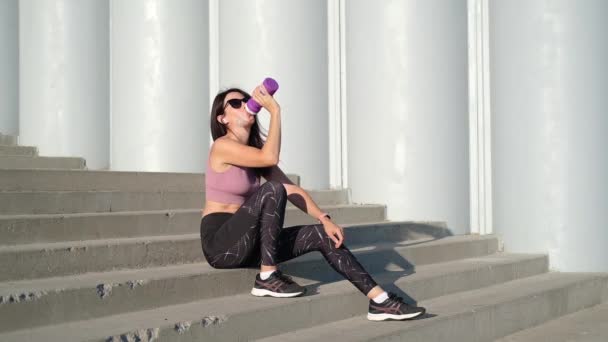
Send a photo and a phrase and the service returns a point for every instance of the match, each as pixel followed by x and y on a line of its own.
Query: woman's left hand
pixel 335 232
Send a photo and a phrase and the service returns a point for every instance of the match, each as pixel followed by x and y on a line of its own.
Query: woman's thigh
pixel 231 231
pixel 237 240
pixel 245 219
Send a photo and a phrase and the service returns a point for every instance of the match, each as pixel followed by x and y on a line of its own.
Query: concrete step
pixel 88 180
pixel 27 229
pixel 8 140
pixel 25 162
pixel 359 236
pixel 11 150
pixel 478 315
pixel 56 259
pixel 588 325
pixel 68 202
pixel 329 299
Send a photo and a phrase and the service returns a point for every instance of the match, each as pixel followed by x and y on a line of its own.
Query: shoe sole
pixel 384 317
pixel 264 292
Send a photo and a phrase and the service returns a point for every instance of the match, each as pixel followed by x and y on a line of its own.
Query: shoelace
pixel 284 277
pixel 394 298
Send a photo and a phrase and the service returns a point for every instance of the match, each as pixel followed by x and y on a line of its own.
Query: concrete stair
pixel 585 325
pixel 91 180
pixel 33 228
pixel 230 317
pixel 116 256
pixel 63 258
pixel 8 140
pixel 103 293
pixel 28 151
pixel 13 156
pixel 69 202
pixel 28 162
pixel 475 315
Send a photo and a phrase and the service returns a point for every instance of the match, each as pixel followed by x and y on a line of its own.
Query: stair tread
pixel 194 236
pixel 56 202
pixel 60 192
pixel 92 279
pixel 42 157
pixel 582 326
pixel 178 210
pixel 191 208
pixel 359 328
pixel 83 179
pixel 164 211
pixel 18 162
pixel 239 304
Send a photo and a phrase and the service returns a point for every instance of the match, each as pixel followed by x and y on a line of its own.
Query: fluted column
pixel 160 94
pixel 407 108
pixel 288 41
pixel 549 105
pixel 64 78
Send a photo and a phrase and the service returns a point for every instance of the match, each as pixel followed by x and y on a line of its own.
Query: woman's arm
pixel 295 194
pixel 301 199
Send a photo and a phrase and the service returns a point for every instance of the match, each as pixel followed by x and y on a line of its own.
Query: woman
pixel 242 223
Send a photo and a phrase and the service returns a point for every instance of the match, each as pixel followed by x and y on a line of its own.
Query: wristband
pixel 323 214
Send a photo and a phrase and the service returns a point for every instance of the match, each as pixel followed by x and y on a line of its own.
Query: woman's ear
pixel 220 119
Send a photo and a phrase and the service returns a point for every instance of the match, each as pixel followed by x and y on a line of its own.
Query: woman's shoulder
pixel 212 159
pixel 213 149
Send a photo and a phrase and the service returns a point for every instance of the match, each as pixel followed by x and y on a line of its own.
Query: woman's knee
pixel 320 234
pixel 326 241
pixel 274 187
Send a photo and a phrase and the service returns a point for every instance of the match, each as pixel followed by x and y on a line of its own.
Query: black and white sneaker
pixel 277 285
pixel 393 308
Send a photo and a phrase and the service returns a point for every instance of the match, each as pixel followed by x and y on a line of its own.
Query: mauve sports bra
pixel 231 186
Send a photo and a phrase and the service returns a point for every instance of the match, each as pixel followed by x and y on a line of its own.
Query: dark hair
pixel 256 137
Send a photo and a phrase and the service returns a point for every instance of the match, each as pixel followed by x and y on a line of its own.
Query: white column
pixel 214 53
pixel 288 41
pixel 63 86
pixel 407 108
pixel 338 145
pixel 9 67
pixel 480 123
pixel 549 105
pixel 160 85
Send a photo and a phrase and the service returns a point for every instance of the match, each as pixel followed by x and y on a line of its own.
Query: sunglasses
pixel 236 103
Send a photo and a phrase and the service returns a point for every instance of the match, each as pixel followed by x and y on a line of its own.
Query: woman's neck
pixel 241 136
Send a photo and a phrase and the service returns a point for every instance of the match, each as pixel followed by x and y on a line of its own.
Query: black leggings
pixel 254 236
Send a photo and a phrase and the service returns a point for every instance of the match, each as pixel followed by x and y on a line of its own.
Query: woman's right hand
pixel 260 94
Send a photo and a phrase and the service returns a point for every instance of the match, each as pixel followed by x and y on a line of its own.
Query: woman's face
pixel 236 117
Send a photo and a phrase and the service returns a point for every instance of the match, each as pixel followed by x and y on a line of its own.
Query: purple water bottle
pixel 253 107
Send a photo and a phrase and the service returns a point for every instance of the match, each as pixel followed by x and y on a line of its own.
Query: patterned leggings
pixel 254 236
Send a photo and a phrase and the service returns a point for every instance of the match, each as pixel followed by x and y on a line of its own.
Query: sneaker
pixel 277 285
pixel 393 308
